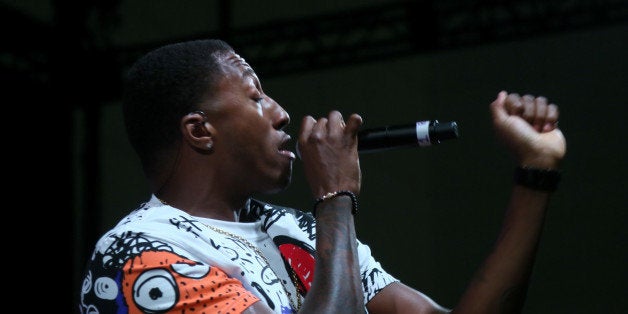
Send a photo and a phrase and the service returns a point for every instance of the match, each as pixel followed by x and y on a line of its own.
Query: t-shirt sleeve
pixel 374 277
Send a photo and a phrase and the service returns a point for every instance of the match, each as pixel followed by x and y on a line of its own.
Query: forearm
pixel 501 283
pixel 527 125
pixel 336 287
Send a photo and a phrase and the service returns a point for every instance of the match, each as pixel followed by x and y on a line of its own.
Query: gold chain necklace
pixel 253 247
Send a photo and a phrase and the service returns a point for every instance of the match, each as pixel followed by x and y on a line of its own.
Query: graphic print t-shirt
pixel 161 259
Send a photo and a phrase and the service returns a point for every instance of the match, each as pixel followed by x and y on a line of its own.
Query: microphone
pixel 420 133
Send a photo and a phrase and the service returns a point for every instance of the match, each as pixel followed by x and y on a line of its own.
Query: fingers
pixel 307 123
pixel 336 124
pixel 333 125
pixel 534 110
pixel 354 123
pixel 319 131
pixel 514 105
pixel 315 131
pixel 551 120
pixel 538 119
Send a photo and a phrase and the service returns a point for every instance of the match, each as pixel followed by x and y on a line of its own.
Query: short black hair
pixel 164 85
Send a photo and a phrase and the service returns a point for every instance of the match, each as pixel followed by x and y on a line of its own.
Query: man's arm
pixel 328 149
pixel 527 126
pixel 336 286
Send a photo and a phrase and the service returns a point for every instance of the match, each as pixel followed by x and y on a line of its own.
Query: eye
pixel 258 98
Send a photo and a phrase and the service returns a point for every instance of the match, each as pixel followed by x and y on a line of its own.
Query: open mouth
pixel 283 148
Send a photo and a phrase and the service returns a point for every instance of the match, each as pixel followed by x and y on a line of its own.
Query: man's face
pixel 249 136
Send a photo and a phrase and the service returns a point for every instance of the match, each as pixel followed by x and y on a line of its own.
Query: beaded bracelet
pixel 354 200
pixel 537 179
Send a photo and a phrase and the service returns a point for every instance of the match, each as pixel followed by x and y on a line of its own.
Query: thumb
pixel 498 109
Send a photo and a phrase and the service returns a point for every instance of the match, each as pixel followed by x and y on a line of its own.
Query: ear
pixel 197 132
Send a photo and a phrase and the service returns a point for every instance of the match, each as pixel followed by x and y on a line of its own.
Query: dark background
pixel 430 215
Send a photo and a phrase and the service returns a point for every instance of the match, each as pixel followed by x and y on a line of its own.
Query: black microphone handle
pixel 420 133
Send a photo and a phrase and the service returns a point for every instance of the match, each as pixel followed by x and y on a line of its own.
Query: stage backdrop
pixel 431 215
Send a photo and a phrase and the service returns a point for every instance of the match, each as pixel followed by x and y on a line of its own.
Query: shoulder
pixel 148 228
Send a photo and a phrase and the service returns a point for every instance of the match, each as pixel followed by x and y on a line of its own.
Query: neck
pixel 193 185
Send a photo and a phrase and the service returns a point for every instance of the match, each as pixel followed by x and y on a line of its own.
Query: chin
pixel 282 184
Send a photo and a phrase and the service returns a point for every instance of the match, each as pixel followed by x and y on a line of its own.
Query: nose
pixel 281 118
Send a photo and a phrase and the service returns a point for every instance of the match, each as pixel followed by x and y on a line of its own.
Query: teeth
pixel 288 153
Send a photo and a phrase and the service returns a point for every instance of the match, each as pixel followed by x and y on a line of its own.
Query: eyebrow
pixel 248 72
